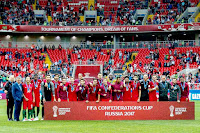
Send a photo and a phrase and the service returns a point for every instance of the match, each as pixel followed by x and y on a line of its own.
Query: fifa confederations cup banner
pixel 119 111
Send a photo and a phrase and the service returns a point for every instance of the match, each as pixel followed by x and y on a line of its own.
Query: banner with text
pixel 119 111
pixel 106 29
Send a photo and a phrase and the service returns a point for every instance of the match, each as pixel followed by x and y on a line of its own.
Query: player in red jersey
pixel 37 84
pixel 82 91
pixel 93 90
pixel 100 79
pixel 152 91
pixel 184 89
pixel 80 76
pixel 131 89
pixel 28 99
pixel 62 91
pixel 56 83
pixel 71 89
pixel 105 92
pixel 118 90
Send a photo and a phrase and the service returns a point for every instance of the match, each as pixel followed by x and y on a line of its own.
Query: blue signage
pixel 194 94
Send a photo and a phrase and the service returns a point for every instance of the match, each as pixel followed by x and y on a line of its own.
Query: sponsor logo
pixel 59 111
pixel 196 96
pixel 176 110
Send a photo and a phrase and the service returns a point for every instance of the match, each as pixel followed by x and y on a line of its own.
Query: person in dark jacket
pixel 163 87
pixel 17 93
pixel 175 91
pixel 9 97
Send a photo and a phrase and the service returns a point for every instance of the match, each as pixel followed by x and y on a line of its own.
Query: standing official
pixel 184 89
pixel 175 91
pixel 17 93
pixel 163 88
pixel 47 88
pixel 9 97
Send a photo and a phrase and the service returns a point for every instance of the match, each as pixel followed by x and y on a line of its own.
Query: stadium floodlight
pixel 26 37
pixel 58 38
pixel 8 37
pixel 74 37
pixel 42 37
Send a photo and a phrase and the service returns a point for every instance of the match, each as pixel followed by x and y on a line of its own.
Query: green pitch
pixel 156 126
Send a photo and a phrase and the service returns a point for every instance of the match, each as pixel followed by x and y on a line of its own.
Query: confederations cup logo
pixel 171 108
pixel 55 108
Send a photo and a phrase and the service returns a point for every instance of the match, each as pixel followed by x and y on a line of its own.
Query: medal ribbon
pixel 94 89
pixel 100 82
pixel 106 88
pixel 49 85
pixel 127 87
pixel 163 85
pixel 56 84
pixel 183 86
pixel 35 84
pixel 118 97
pixel 145 84
pixel 28 87
pixel 72 88
pixel 135 85
pixel 82 89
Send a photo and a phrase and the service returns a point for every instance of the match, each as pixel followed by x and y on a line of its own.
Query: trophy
pixel 55 108
pixel 171 108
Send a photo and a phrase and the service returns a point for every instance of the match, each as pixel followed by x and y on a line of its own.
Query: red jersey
pixel 152 94
pixel 131 91
pixel 62 92
pixel 82 94
pixel 105 93
pixel 27 90
pixel 71 89
pixel 184 90
pixel 37 86
pixel 56 85
pixel 99 82
pixel 93 92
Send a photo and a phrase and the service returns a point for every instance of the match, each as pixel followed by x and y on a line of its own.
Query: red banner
pixel 119 111
pixel 99 29
pixel 89 72
pixel 106 29
pixel 7 28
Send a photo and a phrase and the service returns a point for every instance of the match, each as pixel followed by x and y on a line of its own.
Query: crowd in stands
pixel 20 12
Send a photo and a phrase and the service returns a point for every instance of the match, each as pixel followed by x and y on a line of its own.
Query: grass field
pixel 156 126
